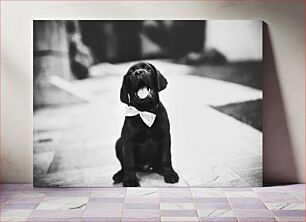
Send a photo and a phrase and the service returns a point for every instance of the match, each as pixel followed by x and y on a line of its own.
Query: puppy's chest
pixel 141 132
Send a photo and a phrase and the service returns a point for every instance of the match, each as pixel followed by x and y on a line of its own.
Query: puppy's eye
pixel 147 68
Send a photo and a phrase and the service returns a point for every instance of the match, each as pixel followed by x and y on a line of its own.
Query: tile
pixel 62 203
pixel 175 192
pixel 253 213
pixel 240 194
pixel 179 219
pixel 248 206
pixel 210 200
pixel 176 200
pixel 141 213
pixel 237 189
pixel 285 206
pixel 275 189
pixel 106 200
pixel 14 214
pixel 68 193
pixel 289 213
pixel 54 219
pixel 299 192
pixel 141 219
pixel 216 213
pixel 101 219
pixel 30 189
pixel 27 187
pixel 253 219
pixel 276 194
pixel 177 206
pixel 300 195
pixel 141 206
pixel 102 213
pixel 27 194
pixel 273 197
pixel 19 206
pixel 25 200
pixel 291 219
pixel 3 200
pixel 245 200
pixel 7 194
pixel 142 200
pixel 104 206
pixel 178 213
pixel 56 213
pixel 23 197
pixel 295 187
pixel 280 200
pixel 218 219
pixel 2 204
pixel 10 186
pixel 207 192
pixel 225 205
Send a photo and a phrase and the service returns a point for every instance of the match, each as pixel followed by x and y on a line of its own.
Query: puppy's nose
pixel 139 72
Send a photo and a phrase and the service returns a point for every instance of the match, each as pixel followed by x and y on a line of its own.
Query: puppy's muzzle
pixel 139 72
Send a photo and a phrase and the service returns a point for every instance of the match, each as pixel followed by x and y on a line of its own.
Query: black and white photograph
pixel 150 103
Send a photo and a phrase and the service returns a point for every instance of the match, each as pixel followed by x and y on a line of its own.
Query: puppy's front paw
pixel 131 182
pixel 171 177
pixel 118 177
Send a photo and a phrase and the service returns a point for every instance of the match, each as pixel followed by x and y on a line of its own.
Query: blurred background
pixel 214 73
pixel 70 49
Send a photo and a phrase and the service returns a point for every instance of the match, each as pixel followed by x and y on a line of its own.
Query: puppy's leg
pixel 128 163
pixel 167 170
pixel 118 177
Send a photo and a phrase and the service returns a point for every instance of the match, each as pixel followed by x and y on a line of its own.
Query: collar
pixel 147 117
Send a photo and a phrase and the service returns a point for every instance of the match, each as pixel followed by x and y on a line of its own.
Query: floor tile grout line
pixel 230 205
pixel 194 203
pixel 91 192
pixel 123 204
pixel 36 206
pixel 266 206
pixel 159 203
pixel 5 202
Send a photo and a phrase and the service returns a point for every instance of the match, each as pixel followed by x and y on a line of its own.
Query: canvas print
pixel 150 103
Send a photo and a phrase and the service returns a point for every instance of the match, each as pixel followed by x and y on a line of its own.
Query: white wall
pixel 286 25
pixel 237 39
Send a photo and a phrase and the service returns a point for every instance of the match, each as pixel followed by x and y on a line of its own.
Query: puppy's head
pixel 141 85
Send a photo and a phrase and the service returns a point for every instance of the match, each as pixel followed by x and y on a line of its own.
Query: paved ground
pixel 74 144
pixel 22 202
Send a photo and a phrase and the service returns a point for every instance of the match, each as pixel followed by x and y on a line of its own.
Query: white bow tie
pixel 147 117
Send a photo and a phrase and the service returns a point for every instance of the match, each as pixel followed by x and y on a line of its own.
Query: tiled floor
pixel 22 202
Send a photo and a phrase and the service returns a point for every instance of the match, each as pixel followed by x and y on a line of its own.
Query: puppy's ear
pixel 124 96
pixel 161 80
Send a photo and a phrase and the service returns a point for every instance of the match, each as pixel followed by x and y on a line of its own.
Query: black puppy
pixel 145 142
